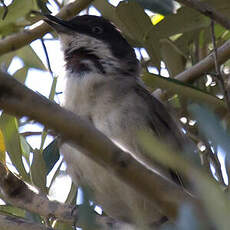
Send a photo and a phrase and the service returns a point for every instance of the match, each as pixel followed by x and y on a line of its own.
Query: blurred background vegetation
pixel 169 40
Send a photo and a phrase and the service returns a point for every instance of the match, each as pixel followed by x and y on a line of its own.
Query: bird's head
pixel 92 43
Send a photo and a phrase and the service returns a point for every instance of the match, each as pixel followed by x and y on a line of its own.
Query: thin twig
pixel 217 67
pixel 47 57
pixel 27 134
pixel 207 10
pixel 5 9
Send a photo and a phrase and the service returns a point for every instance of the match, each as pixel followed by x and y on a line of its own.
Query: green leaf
pixel 173 59
pixel 162 6
pixel 62 226
pixel 87 215
pixel 9 209
pixel 56 174
pixel 107 10
pixel 185 20
pixel 184 41
pixel 139 28
pixel 51 155
pixel 72 196
pixel 191 93
pixel 26 148
pixel 210 126
pixel 9 127
pixel 6 59
pixel 38 171
pixel 216 202
pixel 53 89
pixel 21 74
pixel 30 58
pixel 16 16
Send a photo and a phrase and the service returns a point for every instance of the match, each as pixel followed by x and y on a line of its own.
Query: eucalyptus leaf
pixel 26 148
pixel 185 20
pixel 38 171
pixel 16 16
pixel 9 209
pixel 21 74
pixel 9 128
pixel 158 6
pixel 30 58
pixel 173 59
pixel 210 126
pixel 139 28
pixel 6 59
pixel 51 155
pixel 187 91
pixel 72 196
pixel 216 202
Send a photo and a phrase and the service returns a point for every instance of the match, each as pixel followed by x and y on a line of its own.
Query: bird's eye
pixel 97 30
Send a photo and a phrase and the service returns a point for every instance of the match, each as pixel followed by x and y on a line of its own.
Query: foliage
pixel 166 49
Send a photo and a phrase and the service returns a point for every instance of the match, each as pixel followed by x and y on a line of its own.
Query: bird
pixel 103 86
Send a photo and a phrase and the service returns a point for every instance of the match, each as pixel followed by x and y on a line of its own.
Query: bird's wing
pixel 164 127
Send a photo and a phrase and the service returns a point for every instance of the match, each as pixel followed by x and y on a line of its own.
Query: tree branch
pixel 14 223
pixel 21 196
pixel 16 99
pixel 207 10
pixel 205 65
pixel 18 40
pixel 17 193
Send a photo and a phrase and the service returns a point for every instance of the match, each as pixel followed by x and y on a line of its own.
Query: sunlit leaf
pixel 16 16
pixel 30 58
pixel 2 148
pixel 157 18
pixel 9 127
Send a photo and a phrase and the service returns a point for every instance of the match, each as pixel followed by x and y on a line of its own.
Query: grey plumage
pixel 103 86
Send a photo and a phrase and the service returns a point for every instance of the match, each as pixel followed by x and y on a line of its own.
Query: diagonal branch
pixel 18 40
pixel 16 99
pixel 15 223
pixel 205 65
pixel 207 10
pixel 21 196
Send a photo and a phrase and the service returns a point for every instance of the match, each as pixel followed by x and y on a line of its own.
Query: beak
pixel 61 26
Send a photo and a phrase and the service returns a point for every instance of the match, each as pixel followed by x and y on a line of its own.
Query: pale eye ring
pixel 97 30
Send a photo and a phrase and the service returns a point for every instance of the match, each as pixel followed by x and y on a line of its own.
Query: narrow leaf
pixel 9 127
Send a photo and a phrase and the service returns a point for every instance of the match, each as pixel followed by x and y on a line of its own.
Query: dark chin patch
pixel 75 61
